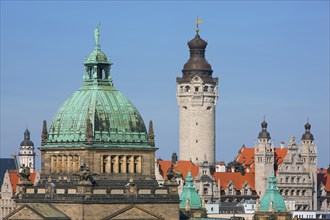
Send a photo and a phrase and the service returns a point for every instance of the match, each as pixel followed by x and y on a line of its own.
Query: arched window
pixel 205 191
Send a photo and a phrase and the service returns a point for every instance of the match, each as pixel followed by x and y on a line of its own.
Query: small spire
pixel 44 133
pixel 151 134
pixel 197 21
pixel 27 134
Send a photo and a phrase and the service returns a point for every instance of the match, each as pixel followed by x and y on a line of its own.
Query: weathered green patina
pixel 190 194
pixel 272 200
pixel 97 114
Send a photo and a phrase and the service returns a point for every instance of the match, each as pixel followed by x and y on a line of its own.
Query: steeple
pixel 307 136
pixel 26 141
pixel 97 65
pixel 264 134
pixel 197 64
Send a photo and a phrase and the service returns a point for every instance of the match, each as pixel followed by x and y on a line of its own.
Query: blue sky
pixel 272 59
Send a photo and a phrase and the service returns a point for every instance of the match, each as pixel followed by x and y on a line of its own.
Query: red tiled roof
pixel 181 166
pixel 280 154
pixel 324 177
pixel 246 157
pixel 236 177
pixel 13 175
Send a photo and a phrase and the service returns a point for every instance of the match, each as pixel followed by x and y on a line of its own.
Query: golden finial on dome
pixel 198 21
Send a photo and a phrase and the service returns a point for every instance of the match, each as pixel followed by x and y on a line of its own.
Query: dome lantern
pixel 97 65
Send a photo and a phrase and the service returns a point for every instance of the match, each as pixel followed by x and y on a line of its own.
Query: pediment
pixel 133 213
pixel 24 213
pixel 37 211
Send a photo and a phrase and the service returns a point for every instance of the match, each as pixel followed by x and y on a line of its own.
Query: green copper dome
pixel 272 200
pixel 97 114
pixel 190 194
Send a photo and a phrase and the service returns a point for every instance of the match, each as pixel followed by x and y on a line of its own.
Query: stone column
pixel 52 164
pixel 108 164
pixel 102 164
pixel 116 164
pixel 63 164
pixel 69 161
pixel 139 164
pixel 131 164
pixel 58 163
pixel 123 164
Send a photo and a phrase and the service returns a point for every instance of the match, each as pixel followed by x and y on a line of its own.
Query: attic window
pixel 196 89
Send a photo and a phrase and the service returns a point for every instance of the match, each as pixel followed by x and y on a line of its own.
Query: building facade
pixel 197 94
pixel 97 157
pixel 294 166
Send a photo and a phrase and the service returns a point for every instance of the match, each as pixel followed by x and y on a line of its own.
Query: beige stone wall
pixel 197 120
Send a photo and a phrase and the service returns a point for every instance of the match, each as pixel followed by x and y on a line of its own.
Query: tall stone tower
pixel 197 95
pixel 264 159
pixel 26 152
pixel 309 159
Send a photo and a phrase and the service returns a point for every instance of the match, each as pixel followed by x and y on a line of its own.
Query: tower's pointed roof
pixel 264 133
pixel 197 61
pixel 307 135
pixel 27 141
pixel 190 194
pixel 272 200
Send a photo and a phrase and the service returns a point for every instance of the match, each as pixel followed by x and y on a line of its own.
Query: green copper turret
pixel 272 200
pixel 189 194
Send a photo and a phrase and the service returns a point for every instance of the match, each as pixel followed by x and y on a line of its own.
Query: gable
pixel 133 213
pixel 24 213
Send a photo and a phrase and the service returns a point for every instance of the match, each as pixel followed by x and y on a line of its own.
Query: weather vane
pixel 198 21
